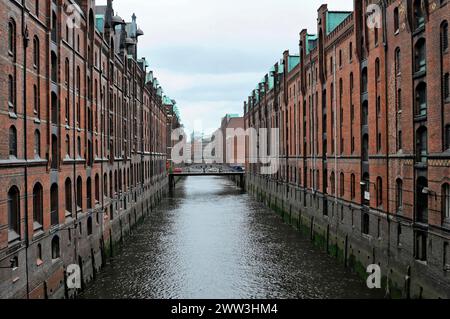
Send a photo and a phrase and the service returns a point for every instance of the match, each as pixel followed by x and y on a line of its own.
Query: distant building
pixel 233 147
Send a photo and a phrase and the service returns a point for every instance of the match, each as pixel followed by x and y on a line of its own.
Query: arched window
pixel 421 99
pixel 399 196
pixel 365 148
pixel 105 184
pixel 332 183
pixel 37 144
pixel 14 213
pixel 55 109
pixel 342 185
pixel 55 248
pixel 445 87
pixel 365 113
pixel 78 147
pixel 12 38
pixel 54 205
pixel 422 145
pixel 420 56
pixel 68 146
pixel 80 193
pixel 38 209
pixel 68 194
pixel 13 142
pixel 37 108
pixel 67 72
pixel 54 64
pixel 419 15
pixel 54 31
pixel 36 52
pixel 446 203
pixel 396 20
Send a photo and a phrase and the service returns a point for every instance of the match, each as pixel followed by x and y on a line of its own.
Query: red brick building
pixel 364 118
pixel 84 148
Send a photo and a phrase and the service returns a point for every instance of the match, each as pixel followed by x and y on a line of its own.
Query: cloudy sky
pixel 210 54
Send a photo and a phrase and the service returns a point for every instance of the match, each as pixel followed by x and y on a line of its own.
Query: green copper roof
pixel 100 22
pixel 334 19
pixel 293 61
pixel 310 42
pixel 167 100
pixel 232 116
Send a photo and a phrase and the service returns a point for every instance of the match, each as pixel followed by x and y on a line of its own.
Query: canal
pixel 211 240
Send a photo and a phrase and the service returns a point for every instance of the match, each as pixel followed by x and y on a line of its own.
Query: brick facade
pixel 364 115
pixel 83 154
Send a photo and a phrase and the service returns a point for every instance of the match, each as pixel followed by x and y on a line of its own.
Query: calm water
pixel 212 241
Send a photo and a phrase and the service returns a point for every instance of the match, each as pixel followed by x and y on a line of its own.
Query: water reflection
pixel 210 240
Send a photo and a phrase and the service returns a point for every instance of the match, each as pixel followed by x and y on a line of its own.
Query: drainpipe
pixel 25 46
pixel 386 79
pixel 335 129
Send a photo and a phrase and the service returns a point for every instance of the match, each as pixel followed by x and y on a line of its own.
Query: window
pixel 399 196
pixel 13 142
pixel 421 99
pixel 446 203
pixel 38 207
pixel 54 67
pixel 365 148
pixel 55 159
pixel 68 194
pixel 97 188
pixel 379 192
pixel 54 205
pixel 54 31
pixel 12 38
pixel 55 248
pixel 377 69
pixel 420 56
pixel 397 61
pixel 36 53
pixel 365 113
pixel 353 186
pixel 11 94
pixel 419 15
pixel 332 183
pixel 365 227
pixel 89 193
pixel 445 87
pixel 36 101
pixel 78 146
pixel 444 37
pixel 364 80
pixel 67 72
pixel 342 185
pixel 37 144
pixel 80 193
pixel 422 145
pixel 14 212
pixel 420 251
pixel 350 51
pixel 422 200
pixel 89 225
pixel 396 21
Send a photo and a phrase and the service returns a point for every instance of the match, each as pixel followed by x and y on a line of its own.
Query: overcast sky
pixel 208 55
